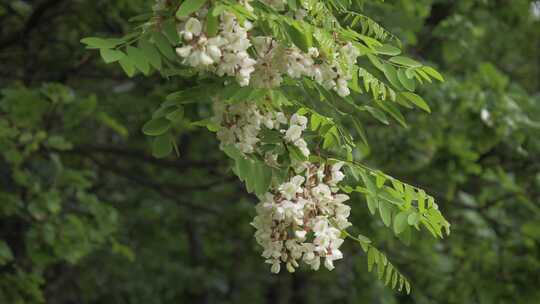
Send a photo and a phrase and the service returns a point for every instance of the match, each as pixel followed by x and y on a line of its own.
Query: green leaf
pixel 301 36
pixel 433 73
pixel 128 66
pixel 163 45
pixel 421 201
pixel 400 222
pixel 387 49
pixel 386 213
pixel 378 114
pixel 138 59
pixel 388 276
pixel 408 83
pixel 368 182
pixel 390 73
pixel 100 43
pixel 373 255
pixel 110 56
pixel 156 126
pixel 169 30
pixel 188 7
pixel 292 4
pixel 417 100
pixel 372 203
pixel 394 112
pixel 262 177
pixel 212 23
pixel 232 152
pixel 6 254
pixel 161 146
pixel 112 123
pixel 380 179
pixel 406 61
pixel 59 143
pixel 151 53
pixel 176 116
pixel 413 219
pixel 361 131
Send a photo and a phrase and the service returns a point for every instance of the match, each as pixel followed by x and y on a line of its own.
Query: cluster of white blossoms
pixel 227 53
pixel 241 123
pixel 302 220
pixel 274 61
pixel 224 54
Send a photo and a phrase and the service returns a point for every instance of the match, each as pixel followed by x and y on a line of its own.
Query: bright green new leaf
pixel 407 82
pixel 400 222
pixel 386 213
pixel 417 100
pixel 387 49
pixel 405 61
pixel 433 73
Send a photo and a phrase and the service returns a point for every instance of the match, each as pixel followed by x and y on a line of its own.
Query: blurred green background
pixel 87 215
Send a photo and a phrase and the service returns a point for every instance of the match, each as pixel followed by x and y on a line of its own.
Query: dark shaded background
pixel 87 215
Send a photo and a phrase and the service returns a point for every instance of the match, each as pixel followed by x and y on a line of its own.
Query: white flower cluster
pixel 240 125
pixel 224 54
pixel 301 220
pixel 297 125
pixel 275 61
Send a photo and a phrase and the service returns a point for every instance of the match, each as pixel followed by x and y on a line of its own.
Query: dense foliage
pixel 93 210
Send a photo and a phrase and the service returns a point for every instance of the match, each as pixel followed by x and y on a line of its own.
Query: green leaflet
pixel 162 146
pixel 100 43
pixel 405 61
pixel 163 45
pixel 139 60
pixel 188 7
pixel 110 55
pixel 151 53
pixel 387 49
pixel 400 222
pixel 156 126
pixel 417 100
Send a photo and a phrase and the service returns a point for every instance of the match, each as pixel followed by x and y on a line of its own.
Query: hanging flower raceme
pixel 302 219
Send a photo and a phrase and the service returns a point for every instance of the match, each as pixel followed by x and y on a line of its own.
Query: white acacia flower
pixel 336 174
pixel 299 120
pixel 184 51
pixel 322 192
pixel 193 26
pixel 293 133
pixel 302 145
pixel 292 188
